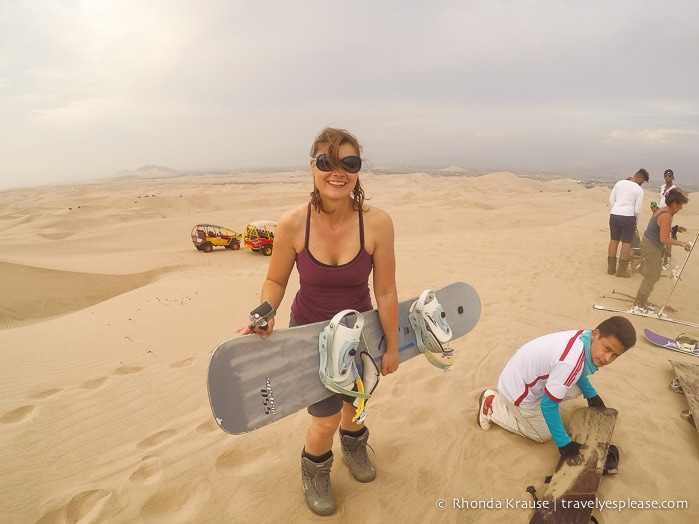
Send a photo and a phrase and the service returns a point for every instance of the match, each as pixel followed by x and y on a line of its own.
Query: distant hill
pixel 454 169
pixel 146 172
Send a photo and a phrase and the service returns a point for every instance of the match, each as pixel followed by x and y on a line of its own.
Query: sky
pixel 597 87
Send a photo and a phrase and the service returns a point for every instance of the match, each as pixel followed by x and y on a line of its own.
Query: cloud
pixel 651 136
pixel 100 86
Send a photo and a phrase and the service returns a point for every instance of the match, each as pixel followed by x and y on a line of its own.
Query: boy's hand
pixel 595 402
pixel 571 453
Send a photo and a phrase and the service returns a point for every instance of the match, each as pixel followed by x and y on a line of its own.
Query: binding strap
pixel 337 347
pixel 367 384
pixel 432 331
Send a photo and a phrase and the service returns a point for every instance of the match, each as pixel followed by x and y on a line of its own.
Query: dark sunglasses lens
pixel 352 164
pixel 323 164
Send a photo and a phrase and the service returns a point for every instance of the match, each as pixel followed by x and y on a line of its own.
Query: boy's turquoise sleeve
pixel 586 387
pixel 552 416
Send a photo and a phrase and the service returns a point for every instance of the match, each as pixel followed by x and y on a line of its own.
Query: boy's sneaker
pixel 316 486
pixel 484 408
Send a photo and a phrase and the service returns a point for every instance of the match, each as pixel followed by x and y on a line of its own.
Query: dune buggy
pixel 259 236
pixel 207 236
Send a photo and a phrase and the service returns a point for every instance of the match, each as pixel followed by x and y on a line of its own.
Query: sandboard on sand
pixel 688 375
pixel 571 494
pixel 669 343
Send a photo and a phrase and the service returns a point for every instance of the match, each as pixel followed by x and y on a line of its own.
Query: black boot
pixel 611 265
pixel 621 270
pixel 641 300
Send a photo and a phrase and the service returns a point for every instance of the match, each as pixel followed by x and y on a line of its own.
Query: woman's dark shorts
pixel 328 406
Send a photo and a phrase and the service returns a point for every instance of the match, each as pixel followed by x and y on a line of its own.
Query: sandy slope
pixel 108 316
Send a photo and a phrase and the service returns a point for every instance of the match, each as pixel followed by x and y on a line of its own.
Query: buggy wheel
pixel 208 248
pixel 267 251
pixel 235 246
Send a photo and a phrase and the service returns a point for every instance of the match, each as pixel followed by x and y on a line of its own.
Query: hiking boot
pixel 621 269
pixel 641 301
pixel 316 486
pixel 484 408
pixel 611 265
pixel 356 457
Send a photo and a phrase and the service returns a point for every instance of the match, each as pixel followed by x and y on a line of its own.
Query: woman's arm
pixel 385 287
pixel 280 266
pixel 665 224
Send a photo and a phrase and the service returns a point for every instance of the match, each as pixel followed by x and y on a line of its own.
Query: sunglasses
pixel 351 164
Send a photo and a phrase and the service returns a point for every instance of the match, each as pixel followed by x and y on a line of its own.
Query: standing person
pixel 335 241
pixel 548 370
pixel 669 184
pixel 626 200
pixel 655 238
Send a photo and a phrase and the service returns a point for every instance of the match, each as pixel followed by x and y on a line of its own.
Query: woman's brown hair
pixel 328 141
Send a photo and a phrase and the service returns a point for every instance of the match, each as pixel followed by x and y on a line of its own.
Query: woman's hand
pixel 389 363
pixel 264 333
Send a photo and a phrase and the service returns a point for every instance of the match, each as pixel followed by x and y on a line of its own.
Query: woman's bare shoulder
pixel 293 216
pixel 377 216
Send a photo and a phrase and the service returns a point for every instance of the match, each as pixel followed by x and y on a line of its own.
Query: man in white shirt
pixel 669 184
pixel 626 200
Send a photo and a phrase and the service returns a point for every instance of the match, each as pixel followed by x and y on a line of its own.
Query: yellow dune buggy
pixel 207 236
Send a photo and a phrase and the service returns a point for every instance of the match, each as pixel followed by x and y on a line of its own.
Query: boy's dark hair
pixel 621 329
pixel 642 173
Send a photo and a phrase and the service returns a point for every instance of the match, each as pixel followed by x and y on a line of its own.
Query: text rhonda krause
pixel 564 504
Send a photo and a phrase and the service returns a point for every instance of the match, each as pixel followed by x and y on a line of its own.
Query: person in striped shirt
pixel 546 371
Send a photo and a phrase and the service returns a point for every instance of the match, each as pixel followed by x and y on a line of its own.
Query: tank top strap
pixel 308 228
pixel 361 229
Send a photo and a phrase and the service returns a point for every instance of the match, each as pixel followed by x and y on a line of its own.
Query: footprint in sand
pixel 127 370
pixel 16 415
pixel 92 506
pixel 207 427
pixel 94 383
pixel 157 438
pixel 176 501
pixel 46 394
pixel 87 504
pixel 149 471
pixel 236 458
pixel 182 363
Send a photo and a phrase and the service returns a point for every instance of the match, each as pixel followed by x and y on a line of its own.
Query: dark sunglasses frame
pixel 351 164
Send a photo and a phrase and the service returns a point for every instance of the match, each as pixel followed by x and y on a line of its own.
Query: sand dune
pixel 32 294
pixel 108 316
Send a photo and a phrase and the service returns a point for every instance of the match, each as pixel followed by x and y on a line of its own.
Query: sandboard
pixel 668 343
pixel 649 314
pixel 624 297
pixel 571 495
pixel 253 382
pixel 688 375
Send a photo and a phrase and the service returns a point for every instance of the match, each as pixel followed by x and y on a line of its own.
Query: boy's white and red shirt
pixel 550 365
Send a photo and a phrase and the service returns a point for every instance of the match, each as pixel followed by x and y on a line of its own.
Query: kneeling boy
pixel 548 370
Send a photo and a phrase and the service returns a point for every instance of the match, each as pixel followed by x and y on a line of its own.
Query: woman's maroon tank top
pixel 325 290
